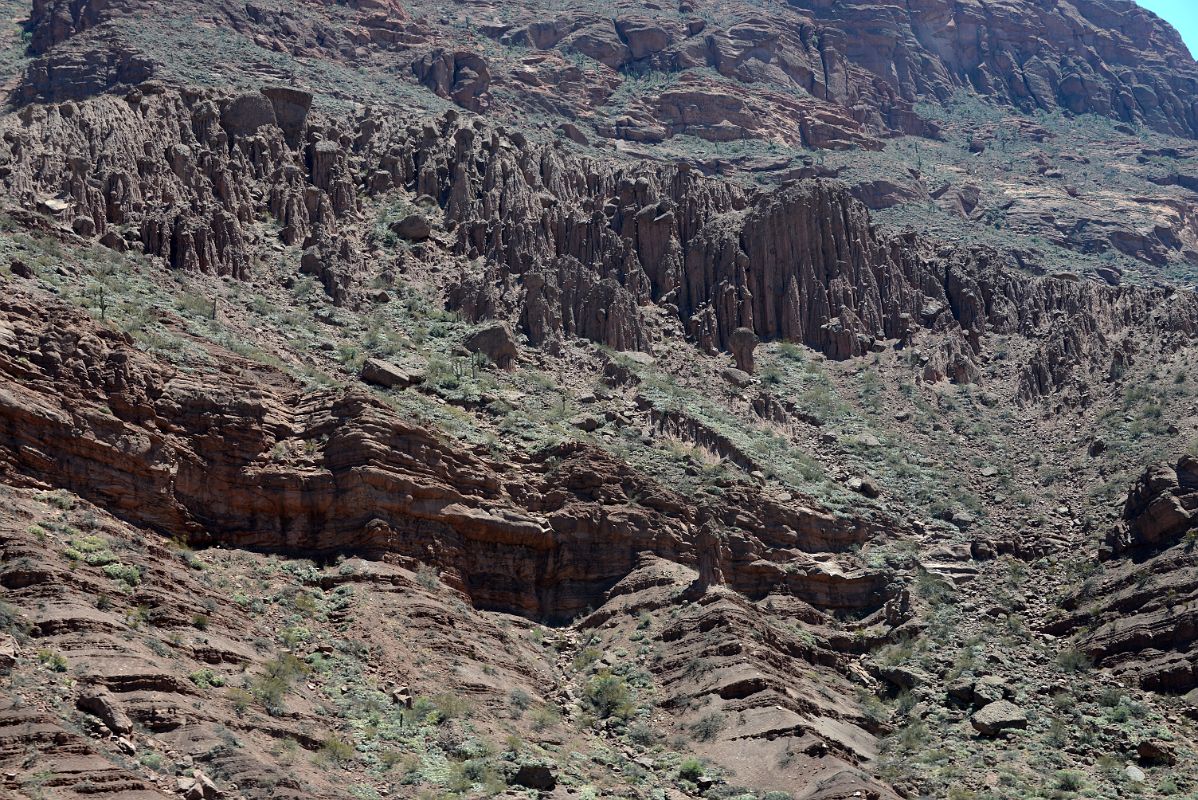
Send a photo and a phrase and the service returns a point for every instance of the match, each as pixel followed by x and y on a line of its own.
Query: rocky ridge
pixel 570 246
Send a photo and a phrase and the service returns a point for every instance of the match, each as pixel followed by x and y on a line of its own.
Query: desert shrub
pixel 690 770
pixel 608 695
pixel 91 550
pixel 451 706
pixel 544 717
pixel 520 700
pixel 12 621
pixel 241 700
pixel 708 727
pixel 55 662
pixel 336 751
pixel 274 683
pixel 1073 660
pixel 586 657
pixel 60 499
pixel 153 760
pixel 934 588
pixel 126 574
pixel 642 735
pixel 1069 781
pixel 204 678
pixel 428 577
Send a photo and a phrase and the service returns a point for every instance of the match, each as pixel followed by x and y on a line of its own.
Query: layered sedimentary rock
pixel 236 463
pixel 1108 57
pixel 819 74
pixel 862 66
pixel 1140 613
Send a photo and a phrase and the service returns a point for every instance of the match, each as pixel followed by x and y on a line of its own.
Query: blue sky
pixel 1183 14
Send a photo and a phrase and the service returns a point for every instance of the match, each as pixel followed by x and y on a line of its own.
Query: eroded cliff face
pixel 562 244
pixel 1108 57
pixel 825 74
pixel 229 461
pixel 243 459
pixel 1139 610
pixel 615 425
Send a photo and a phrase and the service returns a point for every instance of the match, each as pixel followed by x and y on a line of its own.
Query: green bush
pixel 205 678
pixel 11 620
pixel 55 662
pixel 336 751
pixel 275 682
pixel 691 770
pixel 643 735
pixel 608 695
pixel 1070 781
pixel 1073 660
pixel 520 700
pixel 586 657
pixel 544 717
pixel 123 573
pixel 452 706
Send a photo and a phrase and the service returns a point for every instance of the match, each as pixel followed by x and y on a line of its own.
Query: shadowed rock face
pixel 197 459
pixel 1140 611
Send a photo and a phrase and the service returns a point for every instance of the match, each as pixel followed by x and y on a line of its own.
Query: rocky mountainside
pixel 724 400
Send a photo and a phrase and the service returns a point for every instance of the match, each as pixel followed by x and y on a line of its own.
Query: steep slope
pixel 712 400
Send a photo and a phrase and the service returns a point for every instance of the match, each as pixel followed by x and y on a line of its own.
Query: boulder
pixel 99 702
pixel 863 486
pixel 497 342
pixel 585 422
pixel 1154 752
pixel 736 377
pixel 402 696
pixel 8 652
pixel 991 689
pixel 197 787
pixel 742 343
pixel 903 677
pixel 84 226
pixel 413 227
pixel 643 37
pixel 994 718
pixel 383 373
pixel 960 690
pixel 535 776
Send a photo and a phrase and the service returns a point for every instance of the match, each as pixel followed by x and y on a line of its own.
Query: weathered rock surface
pixel 864 65
pixel 375 485
pixel 994 718
pixel 390 376
pixel 1139 612
pixel 571 246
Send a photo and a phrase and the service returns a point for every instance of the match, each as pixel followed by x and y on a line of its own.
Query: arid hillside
pixel 759 400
